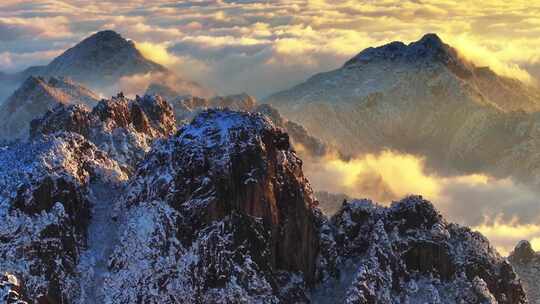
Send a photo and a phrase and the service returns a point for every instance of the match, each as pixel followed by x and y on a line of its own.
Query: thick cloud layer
pixel 263 46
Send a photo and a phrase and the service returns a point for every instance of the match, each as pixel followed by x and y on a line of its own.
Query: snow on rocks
pixel 213 236
pixel 218 213
pixel 125 129
pixel 407 253
pixel 45 210
pixel 10 290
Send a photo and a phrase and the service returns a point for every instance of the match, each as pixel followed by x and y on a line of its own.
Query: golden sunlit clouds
pixel 383 177
pixel 498 61
pixel 482 202
pixel 156 52
pixel 261 47
pixel 505 236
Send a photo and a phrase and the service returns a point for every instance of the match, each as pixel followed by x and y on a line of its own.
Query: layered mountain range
pixel 174 198
pixel 422 98
pixel 219 212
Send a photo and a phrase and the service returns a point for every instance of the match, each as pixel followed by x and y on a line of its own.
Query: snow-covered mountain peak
pixel 430 49
pixel 104 54
pixel 526 263
pixel 368 106
pixel 523 252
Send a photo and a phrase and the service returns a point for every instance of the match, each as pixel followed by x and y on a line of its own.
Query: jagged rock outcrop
pixel 125 129
pixel 228 210
pixel 45 211
pixel 407 253
pixel 35 96
pixel 218 213
pixel 526 263
pixel 466 118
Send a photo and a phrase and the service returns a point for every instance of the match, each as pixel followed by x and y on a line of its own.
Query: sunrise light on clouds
pixel 238 46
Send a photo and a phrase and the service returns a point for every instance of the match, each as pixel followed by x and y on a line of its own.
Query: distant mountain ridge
pixel 100 61
pixel 103 57
pixel 526 263
pixel 422 98
pixel 357 78
pixel 35 96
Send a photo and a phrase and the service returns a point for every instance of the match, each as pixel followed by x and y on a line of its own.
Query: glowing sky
pixel 263 46
pixel 260 47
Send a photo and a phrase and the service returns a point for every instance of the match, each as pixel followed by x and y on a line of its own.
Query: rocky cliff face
pixel 225 199
pixel 526 263
pixel 407 253
pixel 220 212
pixel 45 211
pixel 466 118
pixel 125 129
pixel 35 96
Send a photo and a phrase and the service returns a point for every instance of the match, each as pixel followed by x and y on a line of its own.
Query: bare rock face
pixel 45 211
pixel 408 253
pixel 125 129
pixel 229 190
